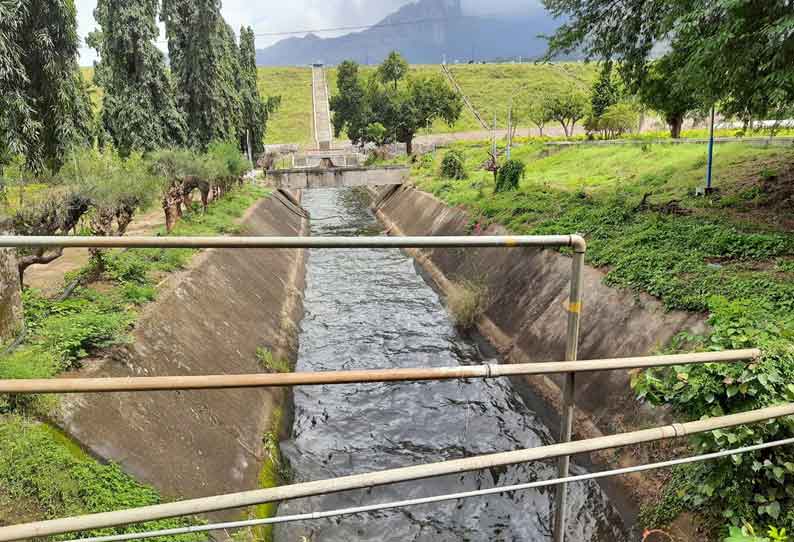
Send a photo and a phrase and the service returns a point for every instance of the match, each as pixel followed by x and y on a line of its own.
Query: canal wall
pixel 209 319
pixel 525 318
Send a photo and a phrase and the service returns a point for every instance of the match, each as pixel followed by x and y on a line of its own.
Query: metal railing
pixel 561 451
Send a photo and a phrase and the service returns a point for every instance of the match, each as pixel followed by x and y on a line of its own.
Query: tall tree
pixel 605 92
pixel 139 111
pixel 739 52
pixel 44 107
pixel 426 100
pixel 667 90
pixel 394 68
pixel 349 105
pixel 204 64
pixel 254 110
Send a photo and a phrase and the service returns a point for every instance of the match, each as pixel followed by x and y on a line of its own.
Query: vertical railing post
pixel 571 352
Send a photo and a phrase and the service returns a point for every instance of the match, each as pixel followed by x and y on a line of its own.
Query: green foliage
pixel 393 69
pixel 736 50
pixel 616 120
pixel 348 105
pixel 377 133
pixel 467 302
pixel 271 363
pixel 605 92
pixel 224 160
pixel 44 107
pixel 401 111
pixel 568 107
pixel 254 110
pixel 667 90
pixel 510 174
pixel 139 112
pixel 453 166
pixel 205 64
pixel 36 465
pixel 747 534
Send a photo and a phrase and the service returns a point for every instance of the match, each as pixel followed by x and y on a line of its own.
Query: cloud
pixel 294 15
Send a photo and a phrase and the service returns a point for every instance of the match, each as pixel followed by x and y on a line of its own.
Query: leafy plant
pixel 467 302
pixel 509 175
pixel 453 165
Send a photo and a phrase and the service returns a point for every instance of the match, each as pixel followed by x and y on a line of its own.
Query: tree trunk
pixel 10 295
pixel 170 217
pixel 409 146
pixel 565 128
pixel 676 123
pixel 40 257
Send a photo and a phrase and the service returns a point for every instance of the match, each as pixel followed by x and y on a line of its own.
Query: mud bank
pixel 526 320
pixel 209 319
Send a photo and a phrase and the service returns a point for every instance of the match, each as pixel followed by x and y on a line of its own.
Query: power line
pixel 341 28
pixel 434 499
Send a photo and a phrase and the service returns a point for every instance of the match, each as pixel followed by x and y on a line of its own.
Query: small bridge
pixel 337 177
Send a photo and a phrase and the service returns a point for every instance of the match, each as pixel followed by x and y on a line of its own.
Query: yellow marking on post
pixel 575 308
pixel 510 242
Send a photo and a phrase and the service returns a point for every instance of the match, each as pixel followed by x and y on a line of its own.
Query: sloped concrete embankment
pixel 526 320
pixel 209 319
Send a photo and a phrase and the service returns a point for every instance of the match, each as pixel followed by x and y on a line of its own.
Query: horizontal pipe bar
pixel 362 481
pixel 293 242
pixel 210 382
pixel 308 516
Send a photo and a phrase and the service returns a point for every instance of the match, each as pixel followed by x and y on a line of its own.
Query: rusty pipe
pixel 210 382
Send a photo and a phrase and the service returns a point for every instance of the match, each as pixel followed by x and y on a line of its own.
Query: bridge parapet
pixel 338 177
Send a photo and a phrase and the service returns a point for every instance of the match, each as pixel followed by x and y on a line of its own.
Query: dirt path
pixel 49 278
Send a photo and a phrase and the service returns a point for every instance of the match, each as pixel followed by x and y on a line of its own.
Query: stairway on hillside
pixel 322 113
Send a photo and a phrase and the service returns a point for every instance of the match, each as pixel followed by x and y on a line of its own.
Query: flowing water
pixel 372 309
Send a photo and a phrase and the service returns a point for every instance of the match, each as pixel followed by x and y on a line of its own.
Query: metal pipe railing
pixel 363 481
pixel 309 516
pixel 240 381
pixel 506 241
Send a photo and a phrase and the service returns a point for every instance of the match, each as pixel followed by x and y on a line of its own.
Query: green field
pixel 292 123
pixel 488 86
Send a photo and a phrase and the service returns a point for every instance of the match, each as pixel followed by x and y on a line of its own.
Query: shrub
pixel 467 302
pixel 453 165
pixel 509 175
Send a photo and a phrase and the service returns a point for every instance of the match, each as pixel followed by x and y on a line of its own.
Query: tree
pixel 426 99
pixel 44 107
pixel 666 89
pixel 605 92
pixel 393 69
pixel 568 107
pixel 254 110
pixel 349 106
pixel 377 133
pixel 739 52
pixel 618 119
pixel 539 113
pixel 205 65
pixel 139 112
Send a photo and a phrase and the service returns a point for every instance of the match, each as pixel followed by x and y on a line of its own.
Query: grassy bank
pixel 729 256
pixel 41 471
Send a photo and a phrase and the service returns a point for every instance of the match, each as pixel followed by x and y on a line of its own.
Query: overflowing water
pixel 372 309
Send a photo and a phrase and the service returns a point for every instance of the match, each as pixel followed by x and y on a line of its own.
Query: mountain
pixel 445 30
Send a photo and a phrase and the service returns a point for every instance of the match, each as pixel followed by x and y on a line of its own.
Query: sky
pixel 293 15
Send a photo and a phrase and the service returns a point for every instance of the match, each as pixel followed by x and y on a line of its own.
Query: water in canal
pixel 372 309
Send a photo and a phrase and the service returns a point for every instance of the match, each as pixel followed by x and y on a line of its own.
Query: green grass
pixel 275 471
pixel 728 257
pixel 271 363
pixel 40 465
pixel 292 123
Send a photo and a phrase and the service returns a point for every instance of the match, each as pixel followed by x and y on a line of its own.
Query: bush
pixel 509 175
pixel 467 302
pixel 453 165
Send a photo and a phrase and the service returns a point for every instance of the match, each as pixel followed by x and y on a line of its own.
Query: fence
pixel 561 451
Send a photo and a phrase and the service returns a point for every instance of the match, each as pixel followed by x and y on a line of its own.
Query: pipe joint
pixel 578 243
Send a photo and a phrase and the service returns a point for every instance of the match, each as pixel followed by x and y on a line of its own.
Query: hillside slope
pixel 444 30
